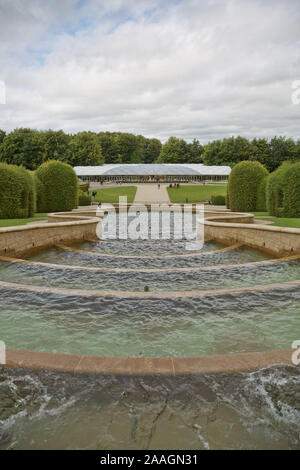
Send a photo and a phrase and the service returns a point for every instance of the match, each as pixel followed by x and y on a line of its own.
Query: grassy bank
pixel 111 195
pixel 279 221
pixel 196 193
pixel 13 222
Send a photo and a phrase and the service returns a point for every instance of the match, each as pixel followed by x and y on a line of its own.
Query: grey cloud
pixel 193 69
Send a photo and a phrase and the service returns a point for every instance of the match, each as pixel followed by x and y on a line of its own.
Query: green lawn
pixel 283 222
pixel 12 222
pixel 196 193
pixel 111 195
pixel 257 214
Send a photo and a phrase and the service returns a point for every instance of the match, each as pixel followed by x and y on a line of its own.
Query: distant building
pixel 147 173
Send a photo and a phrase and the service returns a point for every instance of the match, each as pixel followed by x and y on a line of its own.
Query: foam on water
pixel 242 411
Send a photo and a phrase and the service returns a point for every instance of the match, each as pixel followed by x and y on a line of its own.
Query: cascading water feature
pixel 188 317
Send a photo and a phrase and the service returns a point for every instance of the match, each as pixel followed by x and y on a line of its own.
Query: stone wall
pixel 278 241
pixel 16 241
pixel 222 226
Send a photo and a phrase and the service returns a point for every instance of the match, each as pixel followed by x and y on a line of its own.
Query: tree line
pixel 30 148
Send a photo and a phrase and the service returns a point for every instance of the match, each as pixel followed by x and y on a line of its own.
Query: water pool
pixel 150 327
pixel 45 410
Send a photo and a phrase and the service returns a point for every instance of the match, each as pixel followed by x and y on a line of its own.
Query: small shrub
pixel 84 187
pixel 280 212
pixel 60 186
pixel 218 200
pixel 243 184
pixel 84 200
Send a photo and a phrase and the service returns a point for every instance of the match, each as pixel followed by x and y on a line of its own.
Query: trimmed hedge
pixel 84 200
pixel 243 185
pixel 227 197
pixel 28 196
pixel 218 200
pixel 60 186
pixel 261 203
pixel 40 193
pixel 17 192
pixel 291 198
pixel 276 186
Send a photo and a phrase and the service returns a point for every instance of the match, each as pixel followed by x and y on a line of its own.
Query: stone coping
pixel 78 220
pixel 139 366
pixel 117 294
pixel 162 206
pixel 185 255
pixel 219 221
pixel 218 267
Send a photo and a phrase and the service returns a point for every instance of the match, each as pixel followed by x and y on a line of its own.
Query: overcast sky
pixel 206 69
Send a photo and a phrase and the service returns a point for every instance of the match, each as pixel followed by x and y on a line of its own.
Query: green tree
pixel 195 152
pixel 128 148
pixel 297 150
pixel 281 149
pixel 57 146
pixel 23 147
pixel 85 150
pixel 142 143
pixel 235 150
pixel 260 151
pixel 227 151
pixel 109 147
pixel 149 149
pixel 212 154
pixel 174 151
pixel 2 135
pixel 152 150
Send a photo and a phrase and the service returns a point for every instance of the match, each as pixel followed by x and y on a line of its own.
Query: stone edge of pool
pixel 139 366
pixel 149 295
pixel 218 267
pixel 221 226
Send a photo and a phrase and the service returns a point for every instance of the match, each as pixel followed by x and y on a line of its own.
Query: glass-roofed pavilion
pixel 152 173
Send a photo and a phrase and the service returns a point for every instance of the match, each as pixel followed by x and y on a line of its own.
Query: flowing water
pixel 150 327
pixel 46 410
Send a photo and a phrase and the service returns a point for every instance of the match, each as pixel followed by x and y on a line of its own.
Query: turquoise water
pixel 149 327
